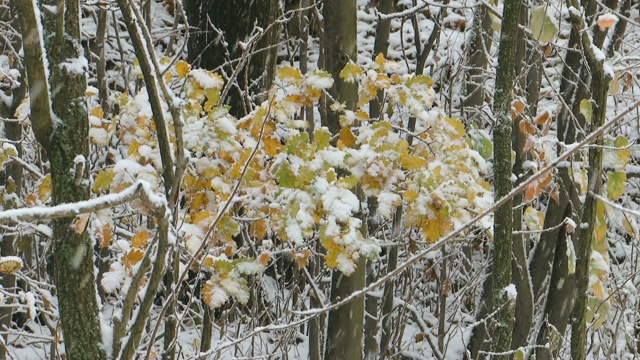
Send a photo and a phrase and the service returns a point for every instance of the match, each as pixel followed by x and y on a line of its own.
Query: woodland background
pixel 336 179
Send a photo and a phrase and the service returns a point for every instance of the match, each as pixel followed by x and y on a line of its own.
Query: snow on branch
pixel 140 190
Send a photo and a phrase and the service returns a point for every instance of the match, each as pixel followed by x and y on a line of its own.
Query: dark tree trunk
pixel 221 49
pixel 496 299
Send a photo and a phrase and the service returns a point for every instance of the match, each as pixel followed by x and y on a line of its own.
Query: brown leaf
pixel 80 223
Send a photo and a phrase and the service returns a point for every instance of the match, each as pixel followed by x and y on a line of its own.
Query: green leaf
pixel 286 178
pixel 519 355
pixel 420 80
pixel 623 152
pixel 213 97
pixel 542 25
pixel 322 138
pixel 586 109
pixel 615 184
pixel 533 218
pixel 597 311
pixel 297 143
pixel 348 182
pixel 600 230
pixel 481 141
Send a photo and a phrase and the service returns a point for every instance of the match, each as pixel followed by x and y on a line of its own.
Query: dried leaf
pixel 10 265
pixel 80 223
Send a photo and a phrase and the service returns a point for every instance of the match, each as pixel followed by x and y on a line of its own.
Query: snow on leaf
pixel 351 72
pixel 10 265
pixel 289 74
pixel 606 21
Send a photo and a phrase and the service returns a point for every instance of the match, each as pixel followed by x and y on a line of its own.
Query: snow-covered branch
pixel 140 190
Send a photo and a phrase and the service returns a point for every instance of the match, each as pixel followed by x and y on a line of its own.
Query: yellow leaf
pixel 272 146
pixel 434 229
pixel 457 125
pixel 133 147
pixel 182 68
pixel 351 72
pixel 410 196
pixel 97 112
pixel 259 229
pixel 380 61
pixel 140 239
pixel 200 216
pixel 347 138
pixel 208 262
pixel 168 77
pixel 289 74
pixel 44 189
pixel 413 162
pixel 103 180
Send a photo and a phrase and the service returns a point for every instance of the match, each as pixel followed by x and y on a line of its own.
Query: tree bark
pixel 495 298
pixel 67 147
pixel 346 324
pixel 476 64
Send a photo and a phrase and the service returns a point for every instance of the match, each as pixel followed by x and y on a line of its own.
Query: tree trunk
pixel 599 90
pixel 221 49
pixel 519 267
pixel 476 63
pixel 67 147
pixel 496 298
pixel 346 324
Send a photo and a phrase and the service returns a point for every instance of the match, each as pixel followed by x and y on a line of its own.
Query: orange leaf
pixel 517 109
pixel 264 259
pixel 301 258
pixel 606 21
pixel 105 235
pixel 526 128
pixel 140 239
pixel 133 257
pixel 542 119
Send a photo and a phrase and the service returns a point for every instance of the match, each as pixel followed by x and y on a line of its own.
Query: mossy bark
pixel 496 299
pixel 63 129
